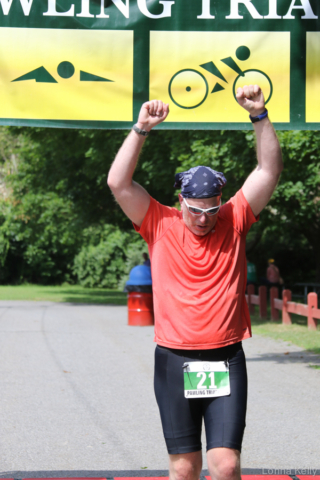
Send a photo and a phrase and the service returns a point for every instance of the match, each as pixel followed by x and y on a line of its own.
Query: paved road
pixel 77 394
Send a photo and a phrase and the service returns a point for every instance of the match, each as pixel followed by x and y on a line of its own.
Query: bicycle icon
pixel 189 88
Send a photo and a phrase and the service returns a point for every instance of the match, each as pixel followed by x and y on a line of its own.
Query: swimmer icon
pixel 65 70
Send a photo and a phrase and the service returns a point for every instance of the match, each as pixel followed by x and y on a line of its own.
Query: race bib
pixel 206 379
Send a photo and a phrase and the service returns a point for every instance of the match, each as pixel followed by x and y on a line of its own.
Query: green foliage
pixel 102 265
pixel 56 200
pixel 289 228
pixel 59 197
pixel 133 258
pixel 75 165
pixel 295 205
pixel 108 262
pixel 38 238
pixel 69 163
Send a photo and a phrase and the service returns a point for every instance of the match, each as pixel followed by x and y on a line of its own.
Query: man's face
pixel 199 224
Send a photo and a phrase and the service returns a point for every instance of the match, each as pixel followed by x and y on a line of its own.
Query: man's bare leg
pixel 185 466
pixel 224 464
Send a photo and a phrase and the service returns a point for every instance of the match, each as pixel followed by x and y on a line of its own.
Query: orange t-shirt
pixel 199 282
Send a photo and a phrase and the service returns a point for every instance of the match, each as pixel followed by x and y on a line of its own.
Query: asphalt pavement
pixel 76 387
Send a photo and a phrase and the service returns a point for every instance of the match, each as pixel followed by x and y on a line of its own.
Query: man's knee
pixel 224 464
pixel 185 466
pixel 227 470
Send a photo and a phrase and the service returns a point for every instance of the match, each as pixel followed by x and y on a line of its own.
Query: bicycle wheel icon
pixel 188 88
pixel 254 76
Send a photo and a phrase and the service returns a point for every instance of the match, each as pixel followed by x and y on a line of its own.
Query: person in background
pixel 273 274
pixel 251 273
pixel 146 260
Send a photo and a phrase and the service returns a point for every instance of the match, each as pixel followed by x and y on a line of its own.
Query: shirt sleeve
pixel 157 220
pixel 238 211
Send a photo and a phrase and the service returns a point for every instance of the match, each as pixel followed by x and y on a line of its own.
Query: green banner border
pixel 183 18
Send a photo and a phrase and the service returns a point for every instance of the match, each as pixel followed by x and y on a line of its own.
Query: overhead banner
pixel 92 63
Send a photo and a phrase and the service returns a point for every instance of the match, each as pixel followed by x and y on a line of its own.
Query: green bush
pixel 133 258
pixel 108 262
pixel 39 237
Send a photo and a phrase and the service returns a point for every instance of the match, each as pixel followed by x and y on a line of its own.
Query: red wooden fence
pixel 260 300
pixel 285 304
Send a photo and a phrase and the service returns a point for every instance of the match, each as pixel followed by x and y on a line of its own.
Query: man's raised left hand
pixel 251 98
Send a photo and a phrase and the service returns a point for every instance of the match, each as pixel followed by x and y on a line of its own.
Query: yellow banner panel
pixel 198 73
pixel 66 74
pixel 313 77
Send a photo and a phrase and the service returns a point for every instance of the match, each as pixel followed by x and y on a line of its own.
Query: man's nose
pixel 203 218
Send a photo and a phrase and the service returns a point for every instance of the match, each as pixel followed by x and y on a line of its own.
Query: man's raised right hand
pixel 152 113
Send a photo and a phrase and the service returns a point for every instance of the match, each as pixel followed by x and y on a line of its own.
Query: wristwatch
pixel 140 131
pixel 259 117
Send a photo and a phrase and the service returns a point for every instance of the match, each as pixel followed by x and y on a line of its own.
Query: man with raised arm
pixel 199 276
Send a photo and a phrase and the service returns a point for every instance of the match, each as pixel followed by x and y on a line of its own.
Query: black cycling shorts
pixel 224 417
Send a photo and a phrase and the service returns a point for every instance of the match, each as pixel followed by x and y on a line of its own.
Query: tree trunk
pixel 313 237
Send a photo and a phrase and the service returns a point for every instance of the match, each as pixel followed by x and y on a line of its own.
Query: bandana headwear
pixel 200 182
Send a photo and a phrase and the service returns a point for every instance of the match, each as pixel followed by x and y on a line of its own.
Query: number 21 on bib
pixel 206 379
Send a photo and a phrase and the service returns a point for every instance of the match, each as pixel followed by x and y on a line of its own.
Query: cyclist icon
pixel 191 81
pixel 189 88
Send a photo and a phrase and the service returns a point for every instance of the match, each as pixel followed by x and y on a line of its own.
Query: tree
pixel 296 203
pixel 291 221
pixel 75 165
pixel 60 186
pixel 59 192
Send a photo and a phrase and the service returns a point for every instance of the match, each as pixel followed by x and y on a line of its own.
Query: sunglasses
pixel 199 211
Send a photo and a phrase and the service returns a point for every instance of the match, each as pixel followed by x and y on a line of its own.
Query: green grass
pixel 297 333
pixel 63 293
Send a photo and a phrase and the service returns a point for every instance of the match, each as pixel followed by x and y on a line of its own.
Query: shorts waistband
pixel 226 351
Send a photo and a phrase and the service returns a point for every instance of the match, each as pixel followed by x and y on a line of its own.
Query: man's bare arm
pixel 132 198
pixel 260 184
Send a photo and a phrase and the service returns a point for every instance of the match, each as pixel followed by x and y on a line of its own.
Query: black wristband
pixel 259 117
pixel 141 132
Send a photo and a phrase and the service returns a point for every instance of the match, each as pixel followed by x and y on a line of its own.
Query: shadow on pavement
pixel 303 357
pixel 101 297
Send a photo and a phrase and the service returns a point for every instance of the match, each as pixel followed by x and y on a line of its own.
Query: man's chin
pixel 201 231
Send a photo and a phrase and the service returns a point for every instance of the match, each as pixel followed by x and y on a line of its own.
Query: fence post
pixel 286 316
pixel 274 293
pixel 250 290
pixel 263 301
pixel 312 303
